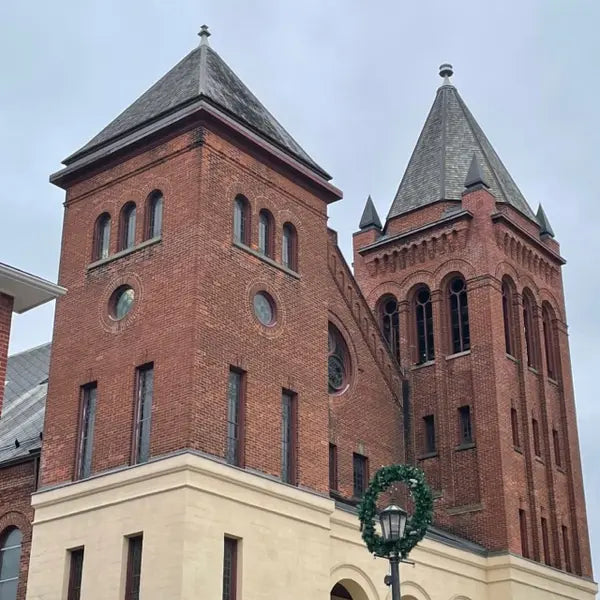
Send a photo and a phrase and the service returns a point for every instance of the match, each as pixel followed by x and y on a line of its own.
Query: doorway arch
pixel 346 589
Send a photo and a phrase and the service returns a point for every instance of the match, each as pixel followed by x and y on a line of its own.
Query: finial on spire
pixel 370 218
pixel 446 71
pixel 204 34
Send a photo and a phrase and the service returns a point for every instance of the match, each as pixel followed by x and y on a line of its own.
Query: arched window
pixel 289 247
pixel 101 237
pixel 549 345
pixel 154 212
pixel 10 562
pixel 241 220
pixel 507 308
pixel 338 362
pixel 266 233
pixel 424 323
pixel 528 325
pixel 127 227
pixel 390 323
pixel 459 315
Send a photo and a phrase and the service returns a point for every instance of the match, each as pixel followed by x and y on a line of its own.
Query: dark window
pixel 289 247
pixel 390 323
pixel 75 574
pixel 536 437
pixel 134 568
pixel 86 430
pixel 10 562
pixel 545 541
pixel 235 425
pixel 507 300
pixel 466 430
pixel 127 227
pixel 529 330
pixel 556 441
pixel 241 221
pixel 289 411
pixel 338 362
pixel 361 474
pixel 101 237
pixel 266 233
pixel 514 421
pixel 424 318
pixel 429 424
pixel 333 467
pixel 230 569
pixel 155 215
pixel 459 315
pixel 565 537
pixel 523 528
pixel 339 591
pixel 549 343
pixel 143 419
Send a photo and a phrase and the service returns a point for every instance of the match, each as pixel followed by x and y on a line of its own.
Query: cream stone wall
pixel 293 543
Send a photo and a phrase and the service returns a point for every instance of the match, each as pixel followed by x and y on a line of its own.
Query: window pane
pixel 287 438
pixel 134 568
pixel 87 430
pixel 10 562
pixel 233 416
pixel 144 413
pixel 229 569
pixel 360 474
pixel 333 472
pixel 157 213
pixel 104 238
pixel 75 574
pixel 263 225
pixel 8 589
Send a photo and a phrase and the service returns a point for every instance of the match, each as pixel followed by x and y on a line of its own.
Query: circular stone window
pixel 121 302
pixel 264 308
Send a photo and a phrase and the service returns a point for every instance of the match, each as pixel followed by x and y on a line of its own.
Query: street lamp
pixel 393 522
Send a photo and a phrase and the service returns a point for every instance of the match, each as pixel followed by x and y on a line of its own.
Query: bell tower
pixel 466 281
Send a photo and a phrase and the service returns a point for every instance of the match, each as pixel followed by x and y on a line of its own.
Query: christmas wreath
pixel 416 524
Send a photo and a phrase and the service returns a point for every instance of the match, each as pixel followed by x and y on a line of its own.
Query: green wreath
pixel 416 525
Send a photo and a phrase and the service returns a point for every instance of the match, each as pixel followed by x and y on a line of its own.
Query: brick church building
pixel 222 384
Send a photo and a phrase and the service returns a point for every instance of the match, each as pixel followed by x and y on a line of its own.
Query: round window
pixel 264 308
pixel 122 302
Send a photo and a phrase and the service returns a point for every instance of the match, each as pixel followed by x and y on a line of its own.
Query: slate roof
pixel 369 218
pixel 201 75
pixel 24 403
pixel 440 161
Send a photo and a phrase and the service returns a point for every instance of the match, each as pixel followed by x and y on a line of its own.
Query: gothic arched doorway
pixel 347 589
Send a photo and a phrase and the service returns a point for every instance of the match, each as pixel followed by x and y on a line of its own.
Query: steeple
pixel 542 219
pixel 370 218
pixel 438 167
pixel 202 76
pixel 475 178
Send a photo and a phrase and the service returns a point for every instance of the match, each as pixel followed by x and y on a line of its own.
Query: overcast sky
pixel 352 82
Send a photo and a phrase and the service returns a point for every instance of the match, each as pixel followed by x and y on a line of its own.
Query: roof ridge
pixel 30 349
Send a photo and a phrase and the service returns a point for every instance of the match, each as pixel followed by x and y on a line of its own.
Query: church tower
pixel 466 282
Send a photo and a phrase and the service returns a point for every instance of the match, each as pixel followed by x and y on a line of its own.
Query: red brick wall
pixel 481 489
pixel 6 307
pixel 17 483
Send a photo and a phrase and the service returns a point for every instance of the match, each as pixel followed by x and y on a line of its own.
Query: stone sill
pixel 511 357
pixel 427 455
pixel 468 446
pixel 266 259
pixel 539 459
pixel 467 508
pixel 458 354
pixel 518 449
pixel 122 253
pixel 553 382
pixel 429 363
pixel 561 470
pixel 533 370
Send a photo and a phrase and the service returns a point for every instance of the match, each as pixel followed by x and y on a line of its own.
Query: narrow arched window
pixel 265 233
pixel 507 304
pixel 389 322
pixel 10 562
pixel 154 211
pixel 549 345
pixel 528 325
pixel 459 315
pixel 101 237
pixel 338 362
pixel 241 220
pixel 289 247
pixel 127 227
pixel 424 323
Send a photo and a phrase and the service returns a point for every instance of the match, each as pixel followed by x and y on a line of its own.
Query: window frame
pixel 363 461
pixel 333 468
pixel 4 535
pixel 231 547
pixel 566 549
pixel 423 326
pixel 535 429
pixel 465 422
pixel 514 424
pixel 76 558
pixel 549 342
pixel 289 446
pixel 133 577
pixel 429 436
pixel 154 204
pixel 101 241
pixel 127 226
pixel 545 541
pixel 524 533
pixel 531 347
pixel 235 457
pixel 266 233
pixel 289 246
pixel 389 323
pixel 341 353
pixel 241 216
pixel 143 405
pixel 557 449
pixel 507 316
pixel 86 428
pixel 460 329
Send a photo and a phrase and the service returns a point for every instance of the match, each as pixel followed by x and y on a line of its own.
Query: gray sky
pixel 352 82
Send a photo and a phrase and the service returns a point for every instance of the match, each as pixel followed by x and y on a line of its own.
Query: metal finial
pixel 446 71
pixel 204 34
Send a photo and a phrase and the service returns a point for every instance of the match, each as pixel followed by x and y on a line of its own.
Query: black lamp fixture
pixel 393 522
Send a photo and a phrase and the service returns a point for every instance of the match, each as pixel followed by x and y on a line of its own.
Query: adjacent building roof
pixel 28 291
pixel 201 75
pixel 22 419
pixel 439 164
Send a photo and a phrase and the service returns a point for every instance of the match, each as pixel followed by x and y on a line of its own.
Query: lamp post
pixel 393 522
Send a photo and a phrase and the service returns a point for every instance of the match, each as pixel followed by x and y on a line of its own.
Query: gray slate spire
pixel 542 219
pixel 201 75
pixel 475 177
pixel 443 153
pixel 370 218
